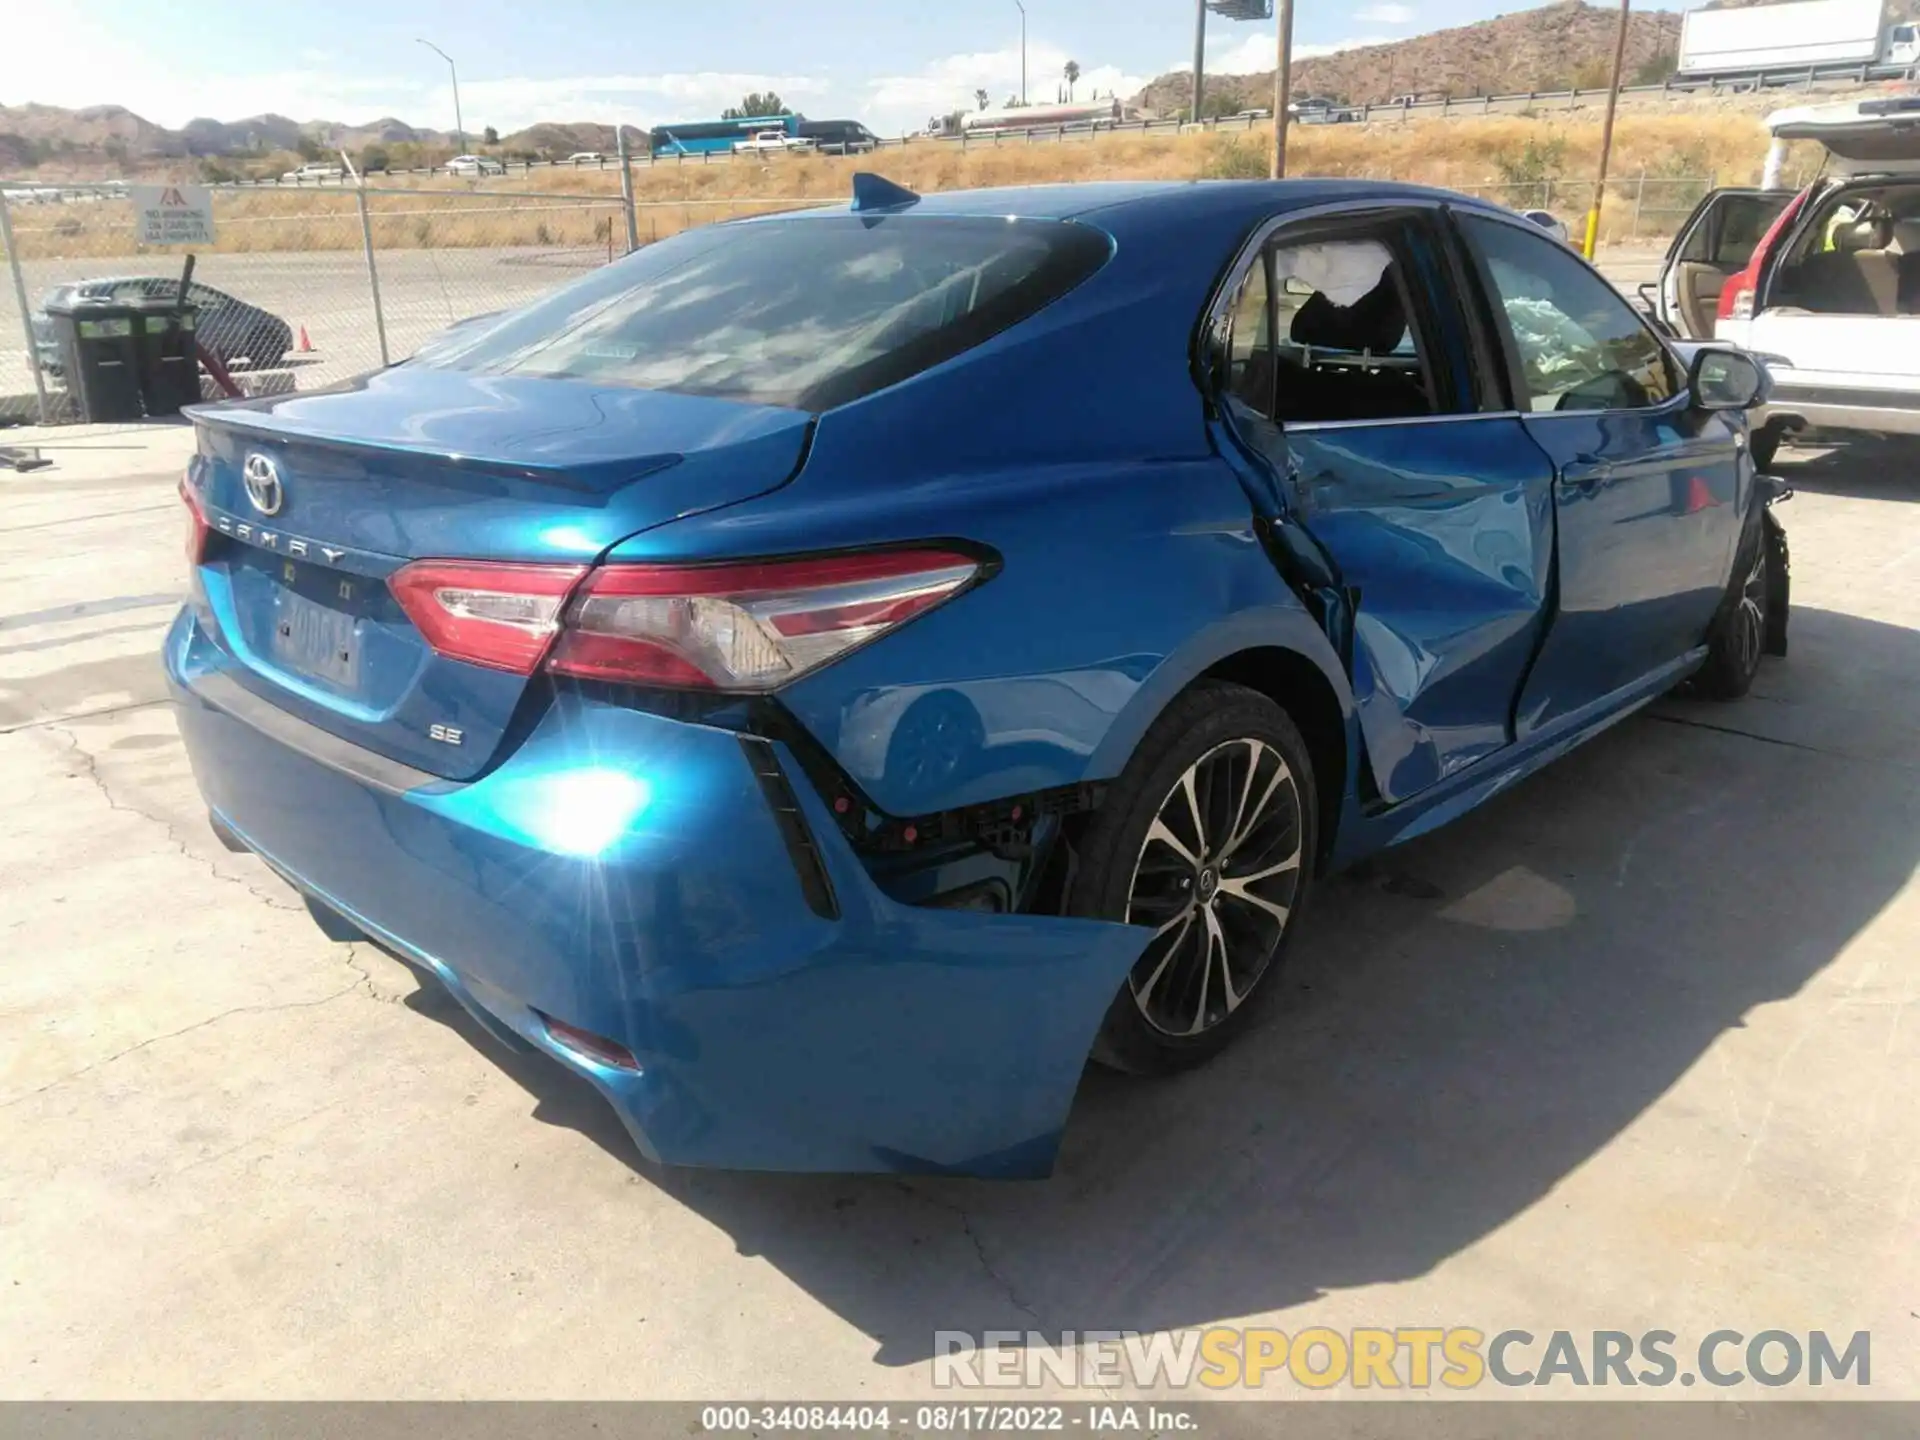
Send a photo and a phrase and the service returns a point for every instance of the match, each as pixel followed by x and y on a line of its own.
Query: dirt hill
pixel 37 133
pixel 111 136
pixel 1551 48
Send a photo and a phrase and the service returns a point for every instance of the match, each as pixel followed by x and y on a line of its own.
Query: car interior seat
pixel 1859 276
pixel 1355 375
pixel 1906 239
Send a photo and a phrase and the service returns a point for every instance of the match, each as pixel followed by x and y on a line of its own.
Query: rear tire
pixel 1207 839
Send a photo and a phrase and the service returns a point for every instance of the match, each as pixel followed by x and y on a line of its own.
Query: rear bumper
pixel 626 874
pixel 1827 407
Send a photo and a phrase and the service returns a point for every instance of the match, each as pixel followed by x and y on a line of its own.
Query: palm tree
pixel 1073 76
pixel 981 96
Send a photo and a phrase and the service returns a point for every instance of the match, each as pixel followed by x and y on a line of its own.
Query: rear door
pixel 1713 246
pixel 1419 517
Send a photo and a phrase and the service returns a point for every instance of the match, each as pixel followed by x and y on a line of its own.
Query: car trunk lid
pixel 348 487
pixel 1879 136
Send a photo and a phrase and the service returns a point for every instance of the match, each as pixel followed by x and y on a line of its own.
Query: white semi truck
pixel 1800 34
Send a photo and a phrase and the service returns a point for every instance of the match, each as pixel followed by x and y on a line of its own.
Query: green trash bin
pixel 100 357
pixel 169 364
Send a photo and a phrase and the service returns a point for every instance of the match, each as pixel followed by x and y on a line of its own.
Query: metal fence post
pixel 26 313
pixel 626 190
pixel 1639 199
pixel 373 271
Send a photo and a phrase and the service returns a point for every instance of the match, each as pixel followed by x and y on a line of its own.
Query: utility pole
pixel 1282 87
pixel 1199 56
pixel 1606 135
pixel 1023 52
pixel 459 127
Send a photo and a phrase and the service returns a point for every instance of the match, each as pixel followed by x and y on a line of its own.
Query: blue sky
pixel 892 63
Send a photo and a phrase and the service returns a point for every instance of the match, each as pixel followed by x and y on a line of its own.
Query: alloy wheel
pixel 1749 630
pixel 1216 878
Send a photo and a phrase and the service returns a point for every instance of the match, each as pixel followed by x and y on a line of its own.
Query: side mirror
pixel 1727 380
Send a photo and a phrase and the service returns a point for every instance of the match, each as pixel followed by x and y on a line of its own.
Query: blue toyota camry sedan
pixel 826 677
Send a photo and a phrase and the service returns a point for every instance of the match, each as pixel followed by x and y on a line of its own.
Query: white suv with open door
pixel 1823 282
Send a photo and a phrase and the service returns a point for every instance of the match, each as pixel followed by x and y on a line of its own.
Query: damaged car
pixel 826 677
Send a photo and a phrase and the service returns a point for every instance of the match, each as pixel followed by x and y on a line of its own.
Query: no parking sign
pixel 172 214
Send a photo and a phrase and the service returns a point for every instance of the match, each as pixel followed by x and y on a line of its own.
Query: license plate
pixel 315 640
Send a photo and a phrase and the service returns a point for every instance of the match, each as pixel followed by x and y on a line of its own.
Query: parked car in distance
pixel 1823 281
pixel 318 170
pixel 767 142
pixel 823 677
pixel 475 165
pixel 1548 222
pixel 230 330
pixel 585 157
pixel 839 137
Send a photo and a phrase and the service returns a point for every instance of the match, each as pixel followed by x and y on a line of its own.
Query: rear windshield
pixel 809 313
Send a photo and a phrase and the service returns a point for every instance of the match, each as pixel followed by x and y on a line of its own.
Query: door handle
pixel 1588 477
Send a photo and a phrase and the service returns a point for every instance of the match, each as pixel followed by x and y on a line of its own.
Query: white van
pixel 1825 282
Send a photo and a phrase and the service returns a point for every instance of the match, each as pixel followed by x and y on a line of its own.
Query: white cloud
pixel 1387 14
pixel 896 103
pixel 117 73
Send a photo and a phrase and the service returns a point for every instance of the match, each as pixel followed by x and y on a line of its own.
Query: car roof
pixel 1120 201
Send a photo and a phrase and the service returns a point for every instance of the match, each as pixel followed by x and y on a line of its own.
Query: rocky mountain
pixel 1546 49
pixel 560 141
pixel 44 130
pixel 35 135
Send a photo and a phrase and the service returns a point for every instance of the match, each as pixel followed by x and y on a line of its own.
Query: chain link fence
pixel 1638 207
pixel 304 288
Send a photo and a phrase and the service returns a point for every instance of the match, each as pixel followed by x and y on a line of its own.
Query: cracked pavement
pixel 1632 1047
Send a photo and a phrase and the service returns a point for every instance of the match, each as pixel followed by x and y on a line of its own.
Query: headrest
pixel 1874 234
pixel 1374 322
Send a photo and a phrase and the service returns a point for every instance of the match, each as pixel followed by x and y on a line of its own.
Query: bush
pixel 1237 157
pixel 1533 163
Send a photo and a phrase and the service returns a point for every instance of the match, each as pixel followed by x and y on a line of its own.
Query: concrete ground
pixel 1632 1047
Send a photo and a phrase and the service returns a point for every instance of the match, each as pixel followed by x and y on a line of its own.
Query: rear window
pixel 806 313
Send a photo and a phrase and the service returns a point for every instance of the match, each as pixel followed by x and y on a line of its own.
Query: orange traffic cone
pixel 305 346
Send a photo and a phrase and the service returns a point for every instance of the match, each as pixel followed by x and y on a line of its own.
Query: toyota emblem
pixel 263 484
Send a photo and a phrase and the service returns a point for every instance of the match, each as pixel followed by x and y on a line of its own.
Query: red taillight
pixel 501 616
pixel 1736 296
pixel 197 527
pixel 747 627
pixel 596 1048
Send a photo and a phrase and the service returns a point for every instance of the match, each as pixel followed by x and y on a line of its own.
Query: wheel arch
pixel 1280 653
pixel 1299 687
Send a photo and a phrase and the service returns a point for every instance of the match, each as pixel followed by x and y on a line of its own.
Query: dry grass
pixel 1520 160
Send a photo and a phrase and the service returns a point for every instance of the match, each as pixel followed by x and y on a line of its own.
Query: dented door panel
pixel 1441 537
